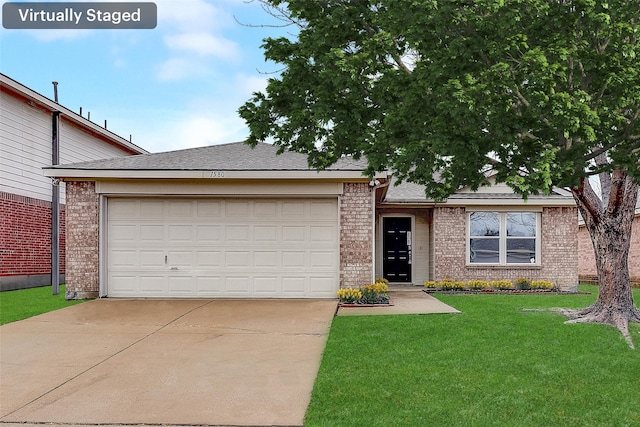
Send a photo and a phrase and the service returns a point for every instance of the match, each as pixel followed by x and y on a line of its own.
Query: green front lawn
pixel 494 364
pixel 18 305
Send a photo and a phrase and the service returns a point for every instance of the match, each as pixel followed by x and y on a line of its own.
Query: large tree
pixel 544 92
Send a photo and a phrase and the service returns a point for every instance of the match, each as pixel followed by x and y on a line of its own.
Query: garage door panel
pixel 150 209
pixel 237 259
pixel 150 233
pixel 209 259
pixel 181 259
pixel 237 285
pixel 151 258
pixel 180 285
pixel 209 285
pixel 209 209
pixel 320 287
pixel 321 234
pixel 125 259
pixel 294 259
pixel 180 209
pixel 265 209
pixel 265 233
pixel 237 233
pixel 322 259
pixel 293 233
pixel 152 284
pixel 323 209
pixel 294 285
pixel 123 233
pixel 222 248
pixel 209 234
pixel 237 208
pixel 266 285
pixel 180 233
pixel 266 259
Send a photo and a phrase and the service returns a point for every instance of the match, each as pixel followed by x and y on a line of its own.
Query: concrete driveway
pixel 193 362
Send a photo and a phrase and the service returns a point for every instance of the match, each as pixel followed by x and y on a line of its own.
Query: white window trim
pixel 503 240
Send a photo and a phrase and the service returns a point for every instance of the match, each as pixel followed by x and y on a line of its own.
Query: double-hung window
pixel 503 238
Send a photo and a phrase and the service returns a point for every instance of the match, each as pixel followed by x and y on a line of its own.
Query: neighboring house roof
pixel 236 160
pixel 15 88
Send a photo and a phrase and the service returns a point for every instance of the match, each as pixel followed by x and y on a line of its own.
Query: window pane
pixel 521 224
pixel 484 224
pixel 485 251
pixel 521 251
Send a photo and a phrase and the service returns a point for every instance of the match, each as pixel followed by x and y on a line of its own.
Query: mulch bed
pixel 505 292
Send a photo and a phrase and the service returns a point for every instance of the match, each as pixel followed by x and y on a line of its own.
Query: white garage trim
pixel 222 247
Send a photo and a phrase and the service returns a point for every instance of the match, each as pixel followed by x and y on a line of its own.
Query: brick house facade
pixel 83 240
pixel 356 235
pixel 134 228
pixel 29 122
pixel 559 234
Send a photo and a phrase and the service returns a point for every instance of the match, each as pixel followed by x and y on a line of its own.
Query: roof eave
pixel 46 103
pixel 70 174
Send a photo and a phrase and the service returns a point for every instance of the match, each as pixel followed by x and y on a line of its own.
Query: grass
pixel 24 303
pixel 492 365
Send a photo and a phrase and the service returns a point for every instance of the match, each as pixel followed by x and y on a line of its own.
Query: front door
pixel 396 249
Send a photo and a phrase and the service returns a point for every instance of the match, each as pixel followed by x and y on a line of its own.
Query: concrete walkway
pixel 405 300
pixel 164 362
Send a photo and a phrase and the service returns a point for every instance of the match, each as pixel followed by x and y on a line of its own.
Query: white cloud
pixel 249 84
pixel 203 44
pixel 173 69
pixel 54 35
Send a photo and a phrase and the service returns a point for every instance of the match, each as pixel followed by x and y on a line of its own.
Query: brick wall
pixel 587 260
pixel 559 234
pixel 82 240
pixel 25 236
pixel 356 235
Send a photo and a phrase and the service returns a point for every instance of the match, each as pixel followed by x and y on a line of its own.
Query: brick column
pixel 356 235
pixel 83 252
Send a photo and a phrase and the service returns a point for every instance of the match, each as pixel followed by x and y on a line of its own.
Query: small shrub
pixel 446 284
pixel 477 285
pixel 382 280
pixel 458 286
pixel 501 284
pixel 430 284
pixel 376 293
pixel 542 284
pixel 349 295
pixel 523 283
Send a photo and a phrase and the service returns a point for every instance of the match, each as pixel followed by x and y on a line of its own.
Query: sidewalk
pixel 405 300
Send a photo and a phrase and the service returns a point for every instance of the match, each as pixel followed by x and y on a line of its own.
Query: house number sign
pixel 216 174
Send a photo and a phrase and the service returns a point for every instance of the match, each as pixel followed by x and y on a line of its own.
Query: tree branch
pixel 588 202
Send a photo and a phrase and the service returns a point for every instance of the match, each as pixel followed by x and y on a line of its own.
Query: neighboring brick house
pixel 231 221
pixel 26 145
pixel 586 258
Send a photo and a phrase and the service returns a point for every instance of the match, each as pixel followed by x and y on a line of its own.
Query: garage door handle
pixel 174 268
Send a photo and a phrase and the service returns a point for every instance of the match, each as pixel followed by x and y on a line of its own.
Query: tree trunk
pixel 609 227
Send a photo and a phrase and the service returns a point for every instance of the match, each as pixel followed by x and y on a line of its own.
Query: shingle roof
pixel 408 192
pixel 233 156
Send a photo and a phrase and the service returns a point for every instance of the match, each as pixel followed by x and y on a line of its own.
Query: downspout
pixel 55 198
pixel 375 185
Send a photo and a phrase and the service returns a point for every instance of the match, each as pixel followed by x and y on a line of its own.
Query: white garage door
pixel 285 248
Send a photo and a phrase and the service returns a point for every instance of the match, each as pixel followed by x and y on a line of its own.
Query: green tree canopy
pixel 435 88
pixel 542 92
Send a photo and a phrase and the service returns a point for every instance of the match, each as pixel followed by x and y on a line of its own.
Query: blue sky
pixel 176 86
